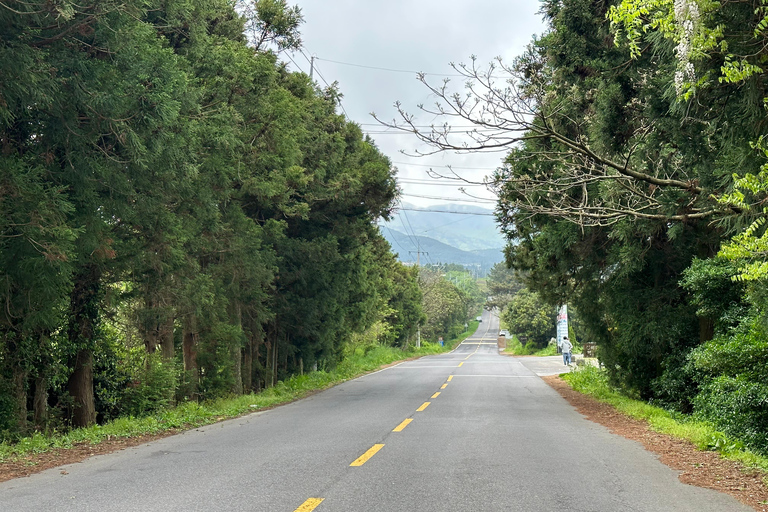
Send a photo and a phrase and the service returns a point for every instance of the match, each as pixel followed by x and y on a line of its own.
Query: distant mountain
pixel 460 237
pixel 470 228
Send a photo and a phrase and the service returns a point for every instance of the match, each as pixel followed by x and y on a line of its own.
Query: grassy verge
pixel 593 382
pixel 516 348
pixel 193 414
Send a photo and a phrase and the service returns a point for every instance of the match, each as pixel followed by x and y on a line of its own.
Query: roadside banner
pixel 562 324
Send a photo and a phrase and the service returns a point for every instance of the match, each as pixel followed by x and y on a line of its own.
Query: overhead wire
pixel 444 165
pixel 447 211
pixel 317 70
pixel 452 199
pixel 391 234
pixel 391 70
pixel 412 235
pixel 408 181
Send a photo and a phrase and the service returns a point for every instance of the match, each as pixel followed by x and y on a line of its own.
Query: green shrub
pixel 739 407
pixel 154 389
pixel 677 386
pixel 733 377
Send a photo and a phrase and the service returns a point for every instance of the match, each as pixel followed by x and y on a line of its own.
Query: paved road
pixel 485 434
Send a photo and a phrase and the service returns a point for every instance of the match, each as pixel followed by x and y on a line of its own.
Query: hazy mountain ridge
pixel 465 230
pixel 471 240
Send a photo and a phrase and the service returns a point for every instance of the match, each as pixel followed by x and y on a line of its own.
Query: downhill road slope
pixel 465 431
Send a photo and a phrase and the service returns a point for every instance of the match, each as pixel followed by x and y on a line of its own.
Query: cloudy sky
pixel 374 48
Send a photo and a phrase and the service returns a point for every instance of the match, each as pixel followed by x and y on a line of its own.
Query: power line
pixel 444 165
pixel 315 68
pixel 412 235
pixel 456 183
pixel 295 63
pixel 452 199
pixel 446 211
pixel 407 131
pixel 391 70
pixel 468 126
pixel 397 241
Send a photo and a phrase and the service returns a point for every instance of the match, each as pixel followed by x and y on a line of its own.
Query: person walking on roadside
pixel 566 347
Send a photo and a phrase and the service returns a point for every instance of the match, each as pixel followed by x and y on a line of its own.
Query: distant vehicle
pixel 479 319
pixel 503 332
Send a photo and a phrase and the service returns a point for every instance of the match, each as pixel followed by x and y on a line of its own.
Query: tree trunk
pixel 248 365
pixel 706 329
pixel 166 338
pixel 40 403
pixel 20 397
pixel 84 313
pixel 189 351
pixel 80 386
pixel 237 352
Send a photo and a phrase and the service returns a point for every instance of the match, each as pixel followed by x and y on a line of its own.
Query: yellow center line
pixel 404 424
pixel 444 386
pixel 450 378
pixel 436 395
pixel 367 455
pixel 309 505
pixel 470 355
pixel 461 363
pixel 423 406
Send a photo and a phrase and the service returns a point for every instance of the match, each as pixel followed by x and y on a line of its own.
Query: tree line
pixel 634 188
pixel 181 217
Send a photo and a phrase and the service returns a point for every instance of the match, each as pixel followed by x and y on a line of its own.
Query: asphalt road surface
pixel 467 431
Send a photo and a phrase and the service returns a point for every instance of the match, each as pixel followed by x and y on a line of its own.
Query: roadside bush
pixel 733 376
pixel 739 407
pixel 676 387
pixel 153 389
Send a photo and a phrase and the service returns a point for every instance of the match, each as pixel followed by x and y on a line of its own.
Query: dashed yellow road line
pixel 423 406
pixel 309 505
pixel 450 378
pixel 444 386
pixel 436 395
pixel 404 424
pixel 460 364
pixel 367 455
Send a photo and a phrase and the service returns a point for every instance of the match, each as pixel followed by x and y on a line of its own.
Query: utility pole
pixel 311 66
pixel 418 252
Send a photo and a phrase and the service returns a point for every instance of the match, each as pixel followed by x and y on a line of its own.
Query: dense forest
pixel 635 188
pixel 181 217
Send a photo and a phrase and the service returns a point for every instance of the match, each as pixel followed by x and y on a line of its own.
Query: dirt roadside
pixel 699 468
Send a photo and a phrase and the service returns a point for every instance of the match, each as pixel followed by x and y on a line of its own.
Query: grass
pixel 593 382
pixel 515 347
pixel 194 414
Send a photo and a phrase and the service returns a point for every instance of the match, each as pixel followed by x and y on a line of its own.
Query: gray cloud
pixel 418 36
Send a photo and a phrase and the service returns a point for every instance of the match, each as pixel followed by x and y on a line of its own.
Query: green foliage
pixel 171 195
pixel 594 382
pixel 529 318
pixel 446 306
pixel 515 347
pixel 732 373
pixel 153 388
pixel 714 291
pixel 738 407
pixel 503 284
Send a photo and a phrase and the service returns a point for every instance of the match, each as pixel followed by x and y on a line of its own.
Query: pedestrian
pixel 566 346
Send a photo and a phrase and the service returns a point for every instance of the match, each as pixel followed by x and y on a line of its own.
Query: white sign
pixel 562 324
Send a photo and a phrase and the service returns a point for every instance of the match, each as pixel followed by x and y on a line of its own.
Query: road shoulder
pixel 699 468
